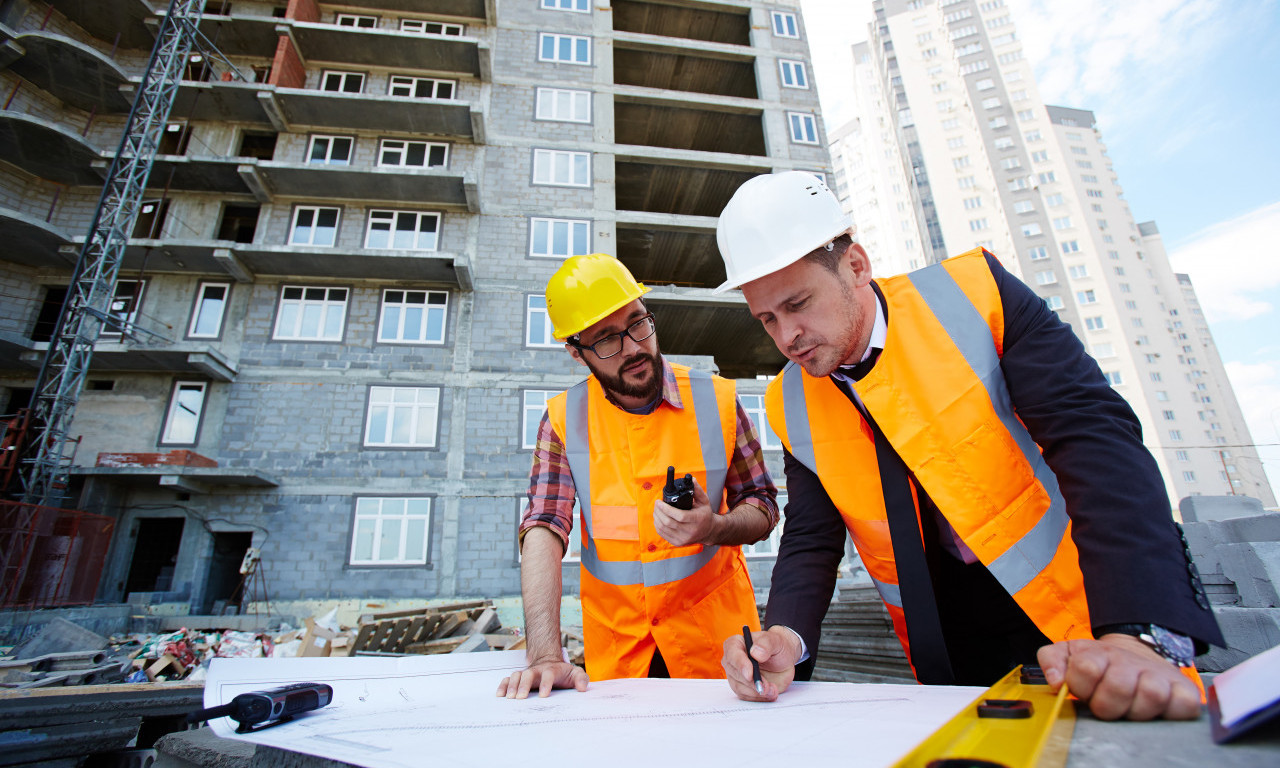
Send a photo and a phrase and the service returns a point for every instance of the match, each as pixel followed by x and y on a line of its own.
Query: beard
pixel 647 389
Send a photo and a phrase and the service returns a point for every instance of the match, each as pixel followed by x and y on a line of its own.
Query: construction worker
pixel 661 586
pixel 996 487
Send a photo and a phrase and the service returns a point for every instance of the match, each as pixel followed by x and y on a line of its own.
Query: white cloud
pixel 1233 265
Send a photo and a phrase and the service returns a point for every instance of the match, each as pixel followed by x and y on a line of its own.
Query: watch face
pixel 1174 646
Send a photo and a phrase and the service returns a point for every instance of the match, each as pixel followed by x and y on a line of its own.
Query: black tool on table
pixel 263 709
pixel 678 492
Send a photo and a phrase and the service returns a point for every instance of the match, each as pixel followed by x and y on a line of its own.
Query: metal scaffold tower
pixel 89 296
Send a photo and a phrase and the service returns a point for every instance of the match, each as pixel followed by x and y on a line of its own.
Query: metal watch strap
pixel 1177 649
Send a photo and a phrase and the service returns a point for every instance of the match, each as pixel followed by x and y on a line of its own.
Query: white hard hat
pixel 772 221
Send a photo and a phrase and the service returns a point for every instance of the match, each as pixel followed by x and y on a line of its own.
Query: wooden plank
pixel 384 629
pixel 410 634
pixel 448 624
pixel 444 645
pixel 395 638
pixel 444 608
pixel 362 637
pixel 487 621
pixel 26 708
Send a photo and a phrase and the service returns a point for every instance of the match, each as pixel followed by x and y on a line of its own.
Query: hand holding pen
pixel 761 665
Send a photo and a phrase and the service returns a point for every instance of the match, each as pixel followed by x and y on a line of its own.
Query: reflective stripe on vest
pixel 1017 566
pixel 631 572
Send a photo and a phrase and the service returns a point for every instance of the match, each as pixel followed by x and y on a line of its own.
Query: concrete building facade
pixel 334 290
pixel 990 165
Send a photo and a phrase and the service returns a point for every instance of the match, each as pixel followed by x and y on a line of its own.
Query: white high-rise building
pixel 983 161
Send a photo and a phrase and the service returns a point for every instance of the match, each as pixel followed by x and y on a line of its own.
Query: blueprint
pixel 404 712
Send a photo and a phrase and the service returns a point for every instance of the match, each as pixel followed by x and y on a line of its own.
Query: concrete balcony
pixel 680 182
pixel 444 54
pixel 661 248
pixel 297 109
pixel 196 173
pixel 47 150
pixel 692 321
pixel 711 22
pixel 104 20
pixel 31 241
pixel 14 350
pixel 437 188
pixel 198 480
pixel 652 118
pixel 73 72
pixel 149 355
pixel 665 63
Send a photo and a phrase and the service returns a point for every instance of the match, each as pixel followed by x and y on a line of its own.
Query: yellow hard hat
pixel 587 289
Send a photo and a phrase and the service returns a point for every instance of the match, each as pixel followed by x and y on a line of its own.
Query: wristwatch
pixel 1178 649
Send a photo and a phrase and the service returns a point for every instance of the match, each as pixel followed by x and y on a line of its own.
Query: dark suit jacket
pixel 1135 566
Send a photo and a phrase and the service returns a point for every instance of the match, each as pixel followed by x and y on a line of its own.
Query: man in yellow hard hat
pixel 995 485
pixel 661 585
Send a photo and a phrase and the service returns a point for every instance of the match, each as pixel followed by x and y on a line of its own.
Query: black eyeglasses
pixel 612 344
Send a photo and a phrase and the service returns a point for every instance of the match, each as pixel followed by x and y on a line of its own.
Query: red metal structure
pixel 50 557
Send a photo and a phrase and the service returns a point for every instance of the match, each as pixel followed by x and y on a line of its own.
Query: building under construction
pixel 327 339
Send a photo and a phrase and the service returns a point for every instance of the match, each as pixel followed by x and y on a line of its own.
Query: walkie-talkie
pixel 264 709
pixel 678 493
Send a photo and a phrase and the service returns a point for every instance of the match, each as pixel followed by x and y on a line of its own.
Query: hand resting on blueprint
pixel 777 649
pixel 1120 677
pixel 545 676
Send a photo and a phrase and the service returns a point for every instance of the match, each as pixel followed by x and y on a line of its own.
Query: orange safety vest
pixel 638 591
pixel 938 394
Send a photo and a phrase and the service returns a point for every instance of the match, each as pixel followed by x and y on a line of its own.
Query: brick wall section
pixel 286 68
pixel 302 10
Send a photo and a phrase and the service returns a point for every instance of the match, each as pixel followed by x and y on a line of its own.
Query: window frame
pixel 571 238
pixel 399 81
pixel 357 18
pixel 325 303
pixel 415 413
pixel 331 139
pixel 550 156
pixel 444 28
pixel 428 145
pixel 425 325
pixel 399 562
pixel 166 438
pixel 575 6
pixel 325 74
pixel 788 69
pixel 526 408
pixel 315 209
pixel 529 311
pixel 807 123
pixel 552 97
pixel 396 213
pixel 128 318
pixel 784 24
pixel 197 305
pixel 557 39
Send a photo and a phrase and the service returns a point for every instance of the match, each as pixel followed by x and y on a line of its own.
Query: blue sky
pixel 1187 97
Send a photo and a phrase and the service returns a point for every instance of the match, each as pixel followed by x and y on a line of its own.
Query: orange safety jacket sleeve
pixel 1132 558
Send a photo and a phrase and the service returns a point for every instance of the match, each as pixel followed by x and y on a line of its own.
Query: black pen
pixel 755 665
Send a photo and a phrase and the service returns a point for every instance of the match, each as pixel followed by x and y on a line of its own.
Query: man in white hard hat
pixel 661 584
pixel 995 486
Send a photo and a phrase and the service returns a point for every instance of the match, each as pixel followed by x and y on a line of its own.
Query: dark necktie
pixel 924 628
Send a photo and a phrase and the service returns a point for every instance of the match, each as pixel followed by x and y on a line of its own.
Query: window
pixel 1162 396
pixel 1045 277
pixel 535 404
pixel 968 50
pixel 577 6
pixel 560 168
pixel 1188 476
pixel 413 317
pixel 314 226
pixel 1089 178
pixel 1024 206
pixel 1025 115
pixel 1054 302
pixel 1038 253
pixel 1083 164
pixel 1004 142
pixel 402 417
pixel 403 231
pixel 310 314
pixel 538 324
pixel 342 82
pixel 330 150
pixel 1031 229
pixel 784 25
pixel 123 312
pixel 1094 323
pixel 1018 183
pixel 1156 377
pixel 1113 378
pixel 352 20
pixel 1078 271
pixel 1181 455
pixel 564 105
pixel 1175 434
pixel 1048 177
pixel 420 27
pixel 976 225
pixel 793 74
pixel 754 406
pixel 971 203
pixel 804 128
pixel 1053 200
pixel 421 87
pixel 967 182
pixel 1079 151
pixel 1093 192
pixel 1040 156
pixel 975 66
pixel 985 84
pixel 961 162
pixel 1071 246
pixel 391 530
pixel 1010 163
pixel 1033 135
pixel 558 238
pixel 1101 351
pixel 396 153
pixel 211 306
pixel 1130 304
pixel 569 49
pixel 991 103
pixel 1169 415
pixel 955 142
pixel 1062 222
pixel 1086 297
pixel 997 122
pixel 182 422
